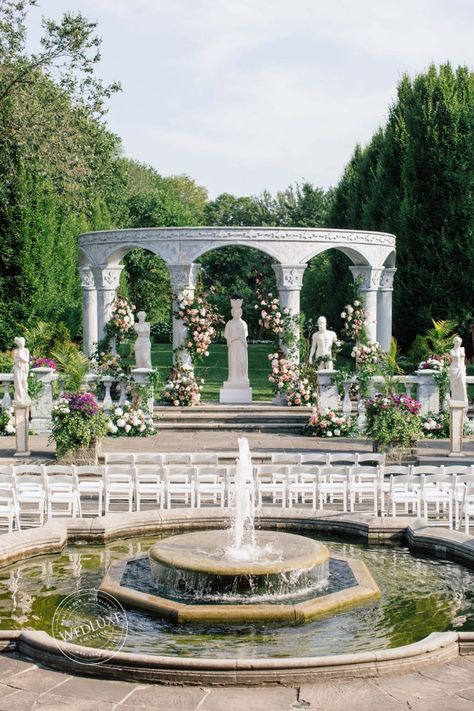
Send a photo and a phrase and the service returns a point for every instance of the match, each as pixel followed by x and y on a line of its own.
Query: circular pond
pixel 418 596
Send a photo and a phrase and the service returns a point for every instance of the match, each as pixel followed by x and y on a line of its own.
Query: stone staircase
pixel 256 417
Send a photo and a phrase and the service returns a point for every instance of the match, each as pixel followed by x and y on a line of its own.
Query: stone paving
pixel 448 687
pixel 175 441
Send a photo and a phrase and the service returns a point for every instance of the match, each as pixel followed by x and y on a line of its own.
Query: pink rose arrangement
pixel 200 319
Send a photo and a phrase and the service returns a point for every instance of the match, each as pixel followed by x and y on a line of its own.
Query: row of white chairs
pixel 33 491
pixel 212 458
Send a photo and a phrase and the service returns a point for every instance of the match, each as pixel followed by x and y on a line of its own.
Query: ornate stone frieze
pixel 289 277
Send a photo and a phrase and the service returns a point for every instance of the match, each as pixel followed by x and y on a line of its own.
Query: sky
pixel 252 95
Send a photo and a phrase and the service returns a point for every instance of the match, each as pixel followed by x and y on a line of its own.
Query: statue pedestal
pixel 327 392
pixel 142 378
pixel 235 393
pixel 457 410
pixel 22 412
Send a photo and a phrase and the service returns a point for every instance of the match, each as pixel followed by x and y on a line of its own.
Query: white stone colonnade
pixel 372 255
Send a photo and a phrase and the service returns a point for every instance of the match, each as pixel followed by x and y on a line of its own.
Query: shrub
pixel 393 420
pixel 78 421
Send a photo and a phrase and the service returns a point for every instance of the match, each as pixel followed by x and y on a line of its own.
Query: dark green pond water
pixel 419 596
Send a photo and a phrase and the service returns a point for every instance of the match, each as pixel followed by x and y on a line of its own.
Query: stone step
pixel 277 427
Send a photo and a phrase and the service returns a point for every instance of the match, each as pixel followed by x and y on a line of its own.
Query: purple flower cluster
pixel 44 363
pixel 384 402
pixel 85 403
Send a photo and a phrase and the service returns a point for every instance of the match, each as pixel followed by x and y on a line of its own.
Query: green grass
pixel 214 368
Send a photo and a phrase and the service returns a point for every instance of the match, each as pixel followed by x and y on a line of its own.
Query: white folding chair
pixel 438 489
pixel 112 458
pixel 363 483
pixel 385 473
pixel 210 485
pixel 345 459
pixel 467 508
pixel 30 495
pixel 179 486
pixel 368 459
pixel 272 480
pixel 149 486
pixel 285 458
pixel 90 485
pixel 331 484
pixel 404 490
pixel 302 484
pixel 462 476
pixel 62 495
pixel 148 459
pixel 204 459
pixel 9 509
pixel 119 486
pixel 318 458
pixel 176 458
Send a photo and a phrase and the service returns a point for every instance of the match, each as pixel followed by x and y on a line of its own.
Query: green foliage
pixel 43 337
pixel 74 430
pixel 6 362
pixel 393 421
pixel 416 180
pixel 72 364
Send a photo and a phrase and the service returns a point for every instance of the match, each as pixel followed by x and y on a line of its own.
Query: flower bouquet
pixel 130 421
pixel 200 319
pixel 7 422
pixel 332 424
pixel 354 317
pixel 182 388
pixel 44 363
pixel 121 319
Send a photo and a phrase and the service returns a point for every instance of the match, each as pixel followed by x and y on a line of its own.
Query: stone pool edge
pixel 55 535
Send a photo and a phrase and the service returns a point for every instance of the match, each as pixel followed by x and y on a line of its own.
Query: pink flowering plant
pixel 182 389
pixel 298 385
pixel 128 420
pixel 393 420
pixel 331 424
pixel 78 421
pixel 435 425
pixel 369 353
pixel 354 317
pixel 276 321
pixel 201 320
pixel 44 363
pixel 121 320
pixel 7 422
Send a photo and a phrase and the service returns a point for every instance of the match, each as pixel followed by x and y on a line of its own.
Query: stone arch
pixel 372 254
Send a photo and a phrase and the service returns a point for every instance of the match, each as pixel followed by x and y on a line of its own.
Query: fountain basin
pixel 202 566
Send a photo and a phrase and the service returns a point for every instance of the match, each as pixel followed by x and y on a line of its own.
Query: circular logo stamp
pixel 92 619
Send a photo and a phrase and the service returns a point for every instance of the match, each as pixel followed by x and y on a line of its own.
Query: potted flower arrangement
pixel 78 426
pixel 435 425
pixel 127 420
pixel 331 424
pixel 182 388
pixel 7 422
pixel 394 425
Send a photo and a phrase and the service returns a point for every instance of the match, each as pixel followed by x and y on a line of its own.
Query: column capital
pixel 386 279
pixel 107 278
pixel 289 276
pixel 369 276
pixel 87 277
pixel 183 276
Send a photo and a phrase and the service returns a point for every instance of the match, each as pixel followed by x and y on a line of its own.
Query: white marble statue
pixel 322 344
pixel 143 342
pixel 457 371
pixel 236 333
pixel 21 367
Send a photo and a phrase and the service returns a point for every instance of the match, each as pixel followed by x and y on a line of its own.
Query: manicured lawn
pixel 214 369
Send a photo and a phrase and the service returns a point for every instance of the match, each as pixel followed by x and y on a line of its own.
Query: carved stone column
pixel 107 280
pixel 183 277
pixel 89 310
pixel 384 308
pixel 369 286
pixel 289 282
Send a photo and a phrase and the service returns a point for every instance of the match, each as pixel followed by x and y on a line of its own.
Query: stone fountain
pixel 239 573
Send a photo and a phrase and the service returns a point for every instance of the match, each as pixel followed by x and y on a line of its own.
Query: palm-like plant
pixel 440 337
pixel 73 366
pixel 390 367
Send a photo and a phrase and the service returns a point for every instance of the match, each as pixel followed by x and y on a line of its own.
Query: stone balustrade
pixel 112 392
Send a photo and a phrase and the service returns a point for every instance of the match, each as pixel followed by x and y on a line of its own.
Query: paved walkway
pixel 175 441
pixel 447 687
